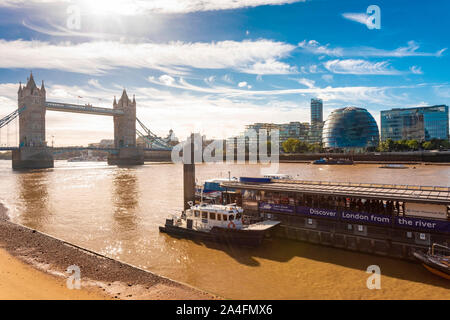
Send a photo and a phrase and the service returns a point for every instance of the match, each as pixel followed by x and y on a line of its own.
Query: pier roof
pixel 412 193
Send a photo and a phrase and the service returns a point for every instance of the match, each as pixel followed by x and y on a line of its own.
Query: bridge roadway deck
pixel 86 109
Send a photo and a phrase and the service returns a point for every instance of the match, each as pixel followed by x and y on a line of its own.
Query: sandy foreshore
pixel 33 266
pixel 19 281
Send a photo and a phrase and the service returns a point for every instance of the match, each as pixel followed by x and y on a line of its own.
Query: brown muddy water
pixel 116 212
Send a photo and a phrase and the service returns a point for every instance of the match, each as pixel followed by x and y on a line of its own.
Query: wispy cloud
pixel 270 66
pixel 134 7
pixel 358 17
pixel 315 47
pixel 307 82
pixel 97 57
pixel 416 70
pixel 58 31
pixel 410 50
pixel 348 94
pixel 360 67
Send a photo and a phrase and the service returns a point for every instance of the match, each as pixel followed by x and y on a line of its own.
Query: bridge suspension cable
pixel 10 117
pixel 5 121
pixel 154 141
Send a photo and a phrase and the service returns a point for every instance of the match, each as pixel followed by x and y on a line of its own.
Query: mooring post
pixel 189 173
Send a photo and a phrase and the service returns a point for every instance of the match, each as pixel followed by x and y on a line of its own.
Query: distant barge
pixel 332 161
pixel 389 220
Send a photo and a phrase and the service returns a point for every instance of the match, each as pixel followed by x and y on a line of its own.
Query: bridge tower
pixel 33 152
pixel 125 134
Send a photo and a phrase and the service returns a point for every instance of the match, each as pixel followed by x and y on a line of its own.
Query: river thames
pixel 116 212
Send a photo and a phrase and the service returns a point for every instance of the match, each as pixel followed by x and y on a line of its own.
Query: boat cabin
pixel 207 216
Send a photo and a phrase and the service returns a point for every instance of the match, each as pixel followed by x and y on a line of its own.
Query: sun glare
pixel 110 7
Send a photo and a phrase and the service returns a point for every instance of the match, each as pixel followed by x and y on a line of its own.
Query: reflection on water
pixel 34 195
pixel 117 211
pixel 125 199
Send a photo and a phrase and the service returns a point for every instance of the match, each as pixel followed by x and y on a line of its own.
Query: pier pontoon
pixel 392 220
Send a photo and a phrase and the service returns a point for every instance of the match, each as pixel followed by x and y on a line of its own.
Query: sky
pixel 213 66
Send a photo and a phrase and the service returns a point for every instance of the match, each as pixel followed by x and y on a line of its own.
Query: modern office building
pixel 421 123
pixel 316 111
pixel 350 128
pixel 296 130
pixel 315 130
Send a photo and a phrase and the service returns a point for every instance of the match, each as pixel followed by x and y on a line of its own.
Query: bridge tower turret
pixel 33 152
pixel 125 126
pixel 125 133
pixel 32 118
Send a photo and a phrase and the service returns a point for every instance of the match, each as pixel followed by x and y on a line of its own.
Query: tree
pixel 387 146
pixel 290 145
pixel 315 147
pixel 427 145
pixel 413 145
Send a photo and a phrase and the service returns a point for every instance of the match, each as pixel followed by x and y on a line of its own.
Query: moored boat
pixel 436 260
pixel 394 166
pixel 220 223
pixel 333 161
pixel 278 176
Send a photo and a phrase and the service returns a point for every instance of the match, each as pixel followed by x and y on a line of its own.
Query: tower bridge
pixel 33 152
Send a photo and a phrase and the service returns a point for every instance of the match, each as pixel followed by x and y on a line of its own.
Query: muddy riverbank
pixel 102 275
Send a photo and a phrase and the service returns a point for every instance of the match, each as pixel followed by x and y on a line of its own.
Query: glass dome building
pixel 350 128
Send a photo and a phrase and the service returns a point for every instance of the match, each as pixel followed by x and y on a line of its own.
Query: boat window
pixel 212 215
pixel 225 217
pixel 219 216
pixel 231 217
pixel 204 215
pixel 196 213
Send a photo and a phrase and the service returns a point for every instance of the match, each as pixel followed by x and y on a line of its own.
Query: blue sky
pixel 214 66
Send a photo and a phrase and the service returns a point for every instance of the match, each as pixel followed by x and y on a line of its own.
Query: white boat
pixel 223 223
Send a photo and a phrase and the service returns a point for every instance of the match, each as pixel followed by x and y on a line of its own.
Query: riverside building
pixel 421 124
pixel 350 128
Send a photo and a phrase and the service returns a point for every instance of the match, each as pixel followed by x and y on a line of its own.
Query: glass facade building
pixel 350 128
pixel 296 130
pixel 316 111
pixel 421 124
pixel 315 133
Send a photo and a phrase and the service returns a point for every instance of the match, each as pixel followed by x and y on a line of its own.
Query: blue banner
pixel 424 224
pixel 366 217
pixel 325 213
pixel 284 208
